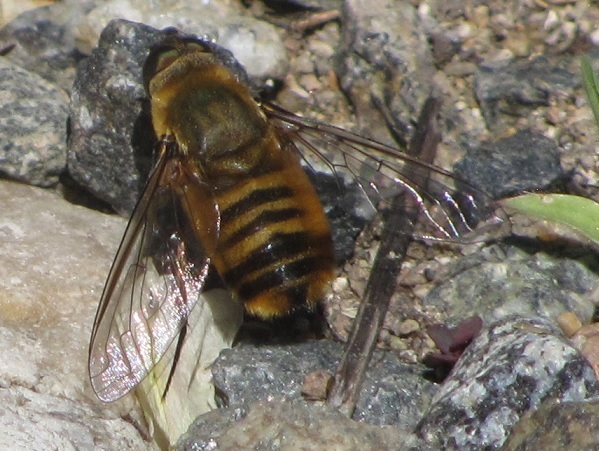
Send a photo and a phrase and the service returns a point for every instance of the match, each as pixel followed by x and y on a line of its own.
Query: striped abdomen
pixel 274 248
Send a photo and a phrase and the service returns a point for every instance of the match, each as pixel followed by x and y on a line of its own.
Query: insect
pixel 228 192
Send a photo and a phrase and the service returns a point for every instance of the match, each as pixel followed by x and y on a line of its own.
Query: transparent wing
pixel 450 209
pixel 156 278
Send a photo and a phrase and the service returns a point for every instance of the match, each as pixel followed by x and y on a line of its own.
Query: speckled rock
pixel 270 426
pixel 515 283
pixel 32 420
pixel 61 300
pixel 525 161
pixel 557 426
pixel 257 44
pixel 33 126
pixel 340 207
pixel 385 64
pixel 54 257
pixel 247 374
pixel 510 369
pixel 518 87
pixel 111 140
pixel 44 42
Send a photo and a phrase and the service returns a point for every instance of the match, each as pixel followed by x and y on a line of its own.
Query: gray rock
pixel 247 374
pixel 47 296
pixel 525 161
pixel 385 64
pixel 511 368
pixel 269 426
pixel 339 202
pixel 33 126
pixel 54 257
pixel 111 140
pixel 32 420
pixel 557 426
pixel 522 284
pixel 517 88
pixel 257 44
pixel 307 4
pixel 44 42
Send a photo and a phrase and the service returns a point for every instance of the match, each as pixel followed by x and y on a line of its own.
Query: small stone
pixel 480 16
pixel 310 83
pixel 569 323
pixel 408 327
pixel 594 37
pixel 316 385
pixel 322 49
pixel 518 43
pixel 397 344
pixel 340 284
pixel 587 341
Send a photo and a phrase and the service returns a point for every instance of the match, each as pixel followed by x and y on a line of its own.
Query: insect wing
pixel 450 209
pixel 155 280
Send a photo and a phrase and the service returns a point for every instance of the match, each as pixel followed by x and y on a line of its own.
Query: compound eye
pixel 194 45
pixel 168 51
pixel 160 58
pixel 165 58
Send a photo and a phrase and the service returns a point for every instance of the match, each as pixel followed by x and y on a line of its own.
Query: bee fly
pixel 228 192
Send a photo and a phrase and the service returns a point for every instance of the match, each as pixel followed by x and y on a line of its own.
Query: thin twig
pixel 381 285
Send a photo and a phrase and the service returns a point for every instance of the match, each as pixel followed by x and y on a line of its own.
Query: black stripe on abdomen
pixel 254 200
pixel 289 277
pixel 264 219
pixel 283 264
pixel 279 248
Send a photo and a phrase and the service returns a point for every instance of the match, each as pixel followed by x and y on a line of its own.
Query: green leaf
pixel 579 213
pixel 591 85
